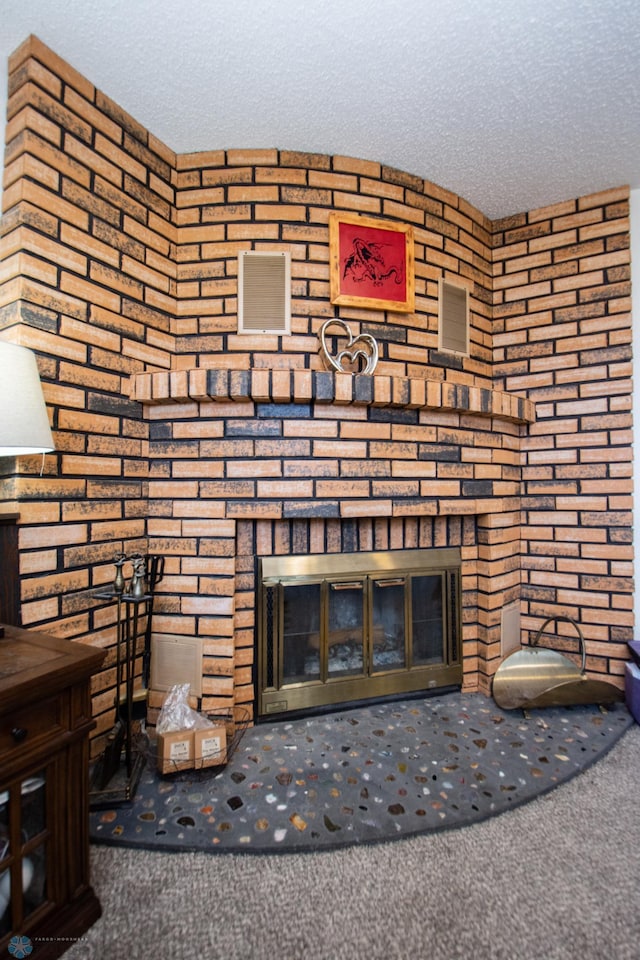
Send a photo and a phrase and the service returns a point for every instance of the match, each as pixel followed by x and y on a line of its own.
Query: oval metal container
pixel 539 677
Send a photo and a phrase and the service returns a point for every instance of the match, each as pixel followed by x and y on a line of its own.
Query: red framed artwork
pixel 371 263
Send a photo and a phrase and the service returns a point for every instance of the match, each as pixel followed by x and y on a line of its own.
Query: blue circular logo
pixel 20 947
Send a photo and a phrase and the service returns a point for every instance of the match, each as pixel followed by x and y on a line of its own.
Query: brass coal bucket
pixel 539 677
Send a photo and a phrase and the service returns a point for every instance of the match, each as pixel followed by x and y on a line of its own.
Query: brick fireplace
pixel 268 463
pixel 178 436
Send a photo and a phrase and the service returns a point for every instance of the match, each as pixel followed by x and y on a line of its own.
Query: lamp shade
pixel 24 425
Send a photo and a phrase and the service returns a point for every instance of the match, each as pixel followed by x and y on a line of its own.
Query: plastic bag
pixel 176 714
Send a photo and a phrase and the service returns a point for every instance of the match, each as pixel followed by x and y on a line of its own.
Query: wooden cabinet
pixel 9 580
pixel 45 720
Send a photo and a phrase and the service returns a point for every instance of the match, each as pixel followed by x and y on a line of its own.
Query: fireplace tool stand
pixel 117 772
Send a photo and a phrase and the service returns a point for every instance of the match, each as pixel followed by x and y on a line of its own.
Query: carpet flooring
pixel 365 775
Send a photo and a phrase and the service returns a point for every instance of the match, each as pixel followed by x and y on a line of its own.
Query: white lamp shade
pixel 24 425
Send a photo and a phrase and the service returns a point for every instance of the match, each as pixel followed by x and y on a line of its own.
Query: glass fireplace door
pixel 301 636
pixel 345 629
pixel 323 630
pixel 388 623
pixel 427 620
pixel 352 627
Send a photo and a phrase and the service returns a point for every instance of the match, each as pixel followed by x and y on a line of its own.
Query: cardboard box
pixel 175 751
pixel 210 746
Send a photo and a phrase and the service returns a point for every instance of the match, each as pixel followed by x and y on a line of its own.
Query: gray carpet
pixel 373 773
pixel 555 879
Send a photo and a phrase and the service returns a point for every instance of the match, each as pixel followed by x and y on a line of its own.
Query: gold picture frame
pixel 371 263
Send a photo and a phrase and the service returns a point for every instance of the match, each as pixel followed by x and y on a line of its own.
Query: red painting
pixel 371 263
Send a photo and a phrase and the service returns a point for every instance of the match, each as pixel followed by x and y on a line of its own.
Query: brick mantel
pixel 318 387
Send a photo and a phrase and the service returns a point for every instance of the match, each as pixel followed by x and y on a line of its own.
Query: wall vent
pixel 510 629
pixel 453 319
pixel 264 292
pixel 176 659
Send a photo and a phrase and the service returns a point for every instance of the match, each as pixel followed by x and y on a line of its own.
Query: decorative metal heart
pixel 360 349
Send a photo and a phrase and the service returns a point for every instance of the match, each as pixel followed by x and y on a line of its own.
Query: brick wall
pixel 562 337
pixel 173 433
pixel 88 282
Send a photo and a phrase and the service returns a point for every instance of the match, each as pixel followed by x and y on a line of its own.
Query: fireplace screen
pixel 351 627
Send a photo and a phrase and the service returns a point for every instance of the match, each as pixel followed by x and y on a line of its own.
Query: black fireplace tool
pixel 155 573
pixel 117 771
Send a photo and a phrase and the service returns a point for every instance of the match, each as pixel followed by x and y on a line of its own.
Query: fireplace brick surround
pixel 279 459
pixel 176 435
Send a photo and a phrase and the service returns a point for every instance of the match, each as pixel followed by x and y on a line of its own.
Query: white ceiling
pixel 512 104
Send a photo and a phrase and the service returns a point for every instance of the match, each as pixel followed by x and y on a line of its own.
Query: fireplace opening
pixel 346 628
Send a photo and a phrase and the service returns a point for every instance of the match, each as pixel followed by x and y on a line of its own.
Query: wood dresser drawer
pixel 32 726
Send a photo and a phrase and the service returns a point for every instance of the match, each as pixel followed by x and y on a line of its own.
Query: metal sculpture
pixel 361 352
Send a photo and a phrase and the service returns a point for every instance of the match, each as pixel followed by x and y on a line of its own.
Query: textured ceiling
pixel 511 104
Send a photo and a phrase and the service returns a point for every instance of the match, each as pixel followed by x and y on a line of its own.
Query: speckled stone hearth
pixel 365 775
